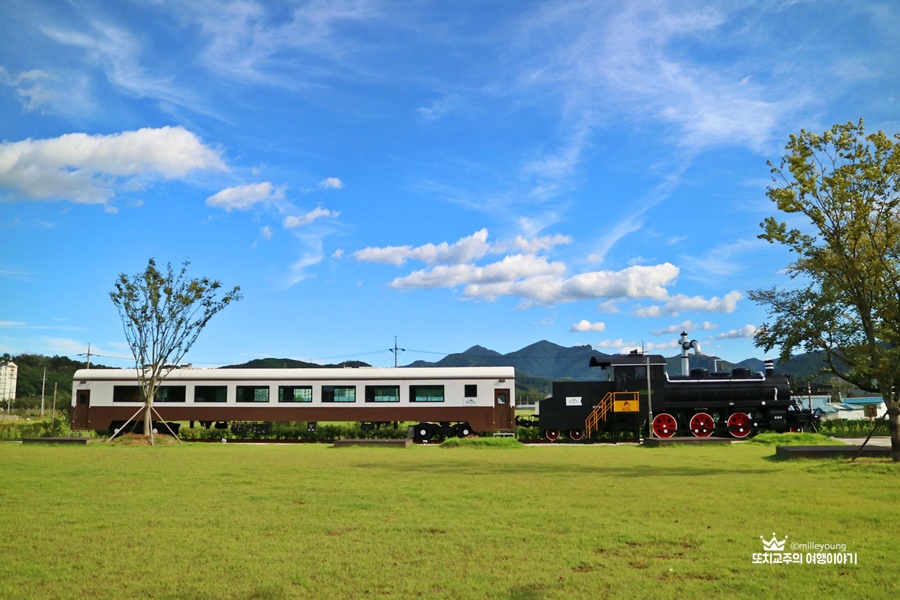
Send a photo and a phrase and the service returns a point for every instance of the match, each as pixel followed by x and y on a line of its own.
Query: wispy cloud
pixel 688 326
pixel 244 197
pixel 747 331
pixel 292 222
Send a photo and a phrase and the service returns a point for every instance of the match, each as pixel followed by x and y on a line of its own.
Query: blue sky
pixel 452 173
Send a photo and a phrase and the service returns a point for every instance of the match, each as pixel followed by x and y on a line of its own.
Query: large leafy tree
pixel 163 313
pixel 841 192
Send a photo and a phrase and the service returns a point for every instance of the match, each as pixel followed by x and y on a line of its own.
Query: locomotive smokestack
pixel 685 346
pixel 770 367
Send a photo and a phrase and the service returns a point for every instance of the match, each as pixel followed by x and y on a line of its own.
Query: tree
pixel 846 304
pixel 163 314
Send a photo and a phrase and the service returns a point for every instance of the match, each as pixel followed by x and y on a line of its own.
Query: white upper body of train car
pixel 447 386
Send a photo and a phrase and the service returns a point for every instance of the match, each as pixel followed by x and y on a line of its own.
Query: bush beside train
pixel 442 402
pixel 638 392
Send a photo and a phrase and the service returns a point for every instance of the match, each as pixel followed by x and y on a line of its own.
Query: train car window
pixel 252 393
pixel 210 393
pixel 338 393
pixel 426 393
pixel 382 393
pixel 171 393
pixel 290 393
pixel 127 393
pixel 471 390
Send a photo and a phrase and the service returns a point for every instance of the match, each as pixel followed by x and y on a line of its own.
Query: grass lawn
pixel 310 521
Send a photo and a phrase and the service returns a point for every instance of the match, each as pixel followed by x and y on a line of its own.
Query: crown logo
pixel 773 545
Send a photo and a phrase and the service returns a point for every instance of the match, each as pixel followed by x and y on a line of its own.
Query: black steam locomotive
pixel 637 394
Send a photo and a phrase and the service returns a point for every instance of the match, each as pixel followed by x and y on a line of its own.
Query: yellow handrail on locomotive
pixel 611 402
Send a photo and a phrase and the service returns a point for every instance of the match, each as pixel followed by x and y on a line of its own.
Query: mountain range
pixel 550 361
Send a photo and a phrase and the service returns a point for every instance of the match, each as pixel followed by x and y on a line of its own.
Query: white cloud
pixel 677 304
pixel 535 245
pixel 747 331
pixel 467 249
pixel 90 169
pixel 687 326
pixel 331 183
pixel 511 268
pixel 244 197
pixel 440 107
pixel 316 213
pixel 29 87
pixel 538 281
pixel 585 325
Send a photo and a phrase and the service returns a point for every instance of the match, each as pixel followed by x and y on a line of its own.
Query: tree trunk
pixel 894 428
pixel 148 421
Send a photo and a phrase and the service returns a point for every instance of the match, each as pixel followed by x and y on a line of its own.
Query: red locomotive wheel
pixel 552 434
pixel 739 425
pixel 576 434
pixel 702 425
pixel 664 425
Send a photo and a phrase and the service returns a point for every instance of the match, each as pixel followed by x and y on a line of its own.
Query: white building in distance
pixel 9 374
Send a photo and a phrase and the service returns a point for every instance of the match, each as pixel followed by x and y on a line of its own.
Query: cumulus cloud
pixel 90 169
pixel 747 331
pixel 585 325
pixel 676 304
pixel 291 222
pixel 244 197
pixel 511 268
pixel 465 250
pixel 538 281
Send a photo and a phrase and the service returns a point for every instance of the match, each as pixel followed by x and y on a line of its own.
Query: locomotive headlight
pixel 763 402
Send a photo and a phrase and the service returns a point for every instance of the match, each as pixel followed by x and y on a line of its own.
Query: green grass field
pixel 310 521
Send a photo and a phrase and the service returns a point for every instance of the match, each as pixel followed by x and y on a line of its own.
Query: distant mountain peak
pixel 480 351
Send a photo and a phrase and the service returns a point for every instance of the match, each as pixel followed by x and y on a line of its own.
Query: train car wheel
pixel 576 434
pixel 423 432
pixel 462 430
pixel 739 425
pixel 702 425
pixel 552 434
pixel 664 425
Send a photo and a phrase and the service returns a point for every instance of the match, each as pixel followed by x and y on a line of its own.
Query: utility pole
pixel 396 351
pixel 43 386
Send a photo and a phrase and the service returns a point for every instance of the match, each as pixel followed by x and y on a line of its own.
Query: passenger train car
pixel 442 401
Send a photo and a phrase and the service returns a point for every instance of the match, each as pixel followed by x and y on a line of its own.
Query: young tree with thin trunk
pixel 846 304
pixel 163 313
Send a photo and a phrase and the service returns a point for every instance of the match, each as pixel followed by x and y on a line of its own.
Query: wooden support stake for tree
pixel 116 432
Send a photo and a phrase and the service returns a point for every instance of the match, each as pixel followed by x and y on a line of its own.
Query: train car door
pixel 81 409
pixel 504 411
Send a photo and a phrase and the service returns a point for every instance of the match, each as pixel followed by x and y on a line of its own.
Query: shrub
pixel 794 439
pixel 852 427
pixel 498 443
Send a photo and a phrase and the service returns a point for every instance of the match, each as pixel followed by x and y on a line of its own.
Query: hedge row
pixel 20 429
pixel 852 428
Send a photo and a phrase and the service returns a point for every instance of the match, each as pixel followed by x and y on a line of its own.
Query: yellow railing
pixel 606 406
